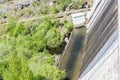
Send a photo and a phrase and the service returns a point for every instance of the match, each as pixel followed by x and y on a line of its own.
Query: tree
pixel 4 50
pixel 17 68
pixel 53 38
pixel 24 53
pixel 19 29
pixel 3 65
pixel 38 42
pixel 43 69
pixel 15 28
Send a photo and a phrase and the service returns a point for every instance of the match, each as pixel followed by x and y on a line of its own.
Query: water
pixel 72 59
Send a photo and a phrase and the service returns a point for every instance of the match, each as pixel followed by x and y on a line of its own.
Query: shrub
pixel 17 68
pixel 53 38
pixel 53 9
pixel 43 69
pixel 15 28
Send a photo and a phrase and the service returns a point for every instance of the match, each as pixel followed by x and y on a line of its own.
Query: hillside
pixel 28 49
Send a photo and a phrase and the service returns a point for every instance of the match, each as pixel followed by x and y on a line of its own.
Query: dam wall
pixel 101 59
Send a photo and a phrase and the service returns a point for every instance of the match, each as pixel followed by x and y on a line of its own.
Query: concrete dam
pixel 93 51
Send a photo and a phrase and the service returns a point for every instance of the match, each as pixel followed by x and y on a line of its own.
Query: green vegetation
pixel 28 49
pixel 17 68
pixel 25 49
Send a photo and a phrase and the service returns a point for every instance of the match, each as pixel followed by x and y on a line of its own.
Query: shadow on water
pixel 71 61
